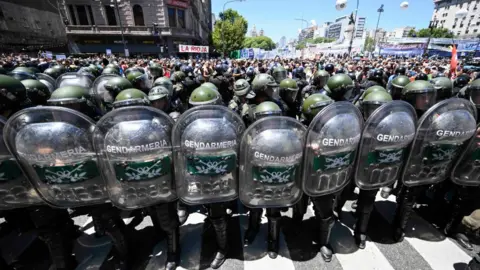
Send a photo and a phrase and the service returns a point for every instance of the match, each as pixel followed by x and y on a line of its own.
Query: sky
pixel 277 17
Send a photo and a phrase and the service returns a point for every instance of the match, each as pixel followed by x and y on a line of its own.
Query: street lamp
pixel 380 10
pixel 125 49
pixel 432 25
pixel 302 20
pixel 223 39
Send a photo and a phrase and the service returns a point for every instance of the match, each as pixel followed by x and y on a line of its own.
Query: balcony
pixel 128 30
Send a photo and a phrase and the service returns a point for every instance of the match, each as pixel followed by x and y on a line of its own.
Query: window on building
pixel 172 17
pixel 90 13
pixel 82 15
pixel 466 31
pixel 475 30
pixel 110 12
pixel 73 17
pixel 453 26
pixel 461 25
pixel 138 15
pixel 458 33
pixel 181 18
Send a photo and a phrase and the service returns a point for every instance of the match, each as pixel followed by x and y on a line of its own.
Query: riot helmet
pixel 420 94
pixel 461 81
pixel 352 76
pixel 165 82
pixel 266 108
pixel 288 90
pixel 421 77
pixel 177 76
pixel 139 80
pixel 242 88
pixel 204 96
pixel 177 66
pixel 314 104
pixel 330 68
pixel 401 70
pixel 3 70
pixel 131 97
pixel 219 69
pixel 376 76
pixel 397 86
pixel 12 94
pixel 73 97
pixel 474 92
pixel 373 101
pixel 264 84
pixel 156 70
pixel 188 71
pixel 54 73
pixel 210 85
pixel 37 92
pixel 279 74
pixel 320 78
pixel 443 86
pixel 250 75
pixel 340 87
pixel 117 84
pixel 113 66
pixel 110 70
pixel 134 69
pixel 158 97
pixel 22 73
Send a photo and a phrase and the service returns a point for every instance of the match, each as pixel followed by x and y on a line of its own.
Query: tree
pixel 262 42
pixel 229 31
pixel 369 44
pixel 434 33
pixel 303 43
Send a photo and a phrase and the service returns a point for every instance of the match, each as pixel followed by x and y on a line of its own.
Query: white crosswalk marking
pixel 441 254
pixel 259 246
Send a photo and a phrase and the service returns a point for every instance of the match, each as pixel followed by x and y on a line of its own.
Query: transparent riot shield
pixel 386 137
pixel 206 142
pixel 53 145
pixel 15 190
pixel 271 162
pixel 467 170
pixel 73 78
pixel 135 150
pixel 47 80
pixel 442 134
pixel 330 149
pixel 103 98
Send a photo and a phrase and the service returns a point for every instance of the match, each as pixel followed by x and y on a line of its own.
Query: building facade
pixel 31 26
pixel 402 32
pixel 337 28
pixel 445 15
pixel 150 27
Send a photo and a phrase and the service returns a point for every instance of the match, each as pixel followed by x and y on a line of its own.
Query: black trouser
pixel 164 217
pixel 324 215
pixel 405 200
pixel 365 202
pixel 462 205
pixel 217 213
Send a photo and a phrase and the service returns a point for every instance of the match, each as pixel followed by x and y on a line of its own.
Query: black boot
pixel 325 226
pixel 299 210
pixel 254 219
pixel 173 252
pixel 402 215
pixel 273 236
pixel 366 199
pixel 220 226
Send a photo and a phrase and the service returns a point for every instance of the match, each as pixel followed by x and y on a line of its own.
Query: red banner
pixel 192 49
pixel 179 3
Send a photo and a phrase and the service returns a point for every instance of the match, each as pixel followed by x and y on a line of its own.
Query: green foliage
pixel 434 33
pixel 229 31
pixel 303 44
pixel 263 42
pixel 369 44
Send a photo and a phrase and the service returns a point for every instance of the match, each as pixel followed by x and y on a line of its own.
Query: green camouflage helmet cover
pixel 242 88
pixel 314 104
pixel 267 108
pixel 158 92
pixel 204 96
pixel 262 81
pixel 279 73
pixel 37 92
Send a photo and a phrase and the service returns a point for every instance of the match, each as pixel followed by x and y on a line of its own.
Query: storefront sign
pixel 179 3
pixel 192 49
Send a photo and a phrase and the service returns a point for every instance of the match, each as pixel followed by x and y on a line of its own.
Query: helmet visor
pixel 260 115
pixel 396 92
pixel 369 107
pixel 421 101
pixel 289 95
pixel 475 96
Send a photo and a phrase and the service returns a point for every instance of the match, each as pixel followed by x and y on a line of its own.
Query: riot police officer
pixel 320 79
pixel 22 73
pixel 12 95
pixel 37 92
pixel 243 92
pixel 279 74
pixel 340 87
pixel 110 70
pixel 444 88
pixel 159 98
pixel 130 97
pixel 156 71
pixel 222 84
pixel 397 85
pixel 330 68
pixel 139 80
pixel 52 72
pixel 289 92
